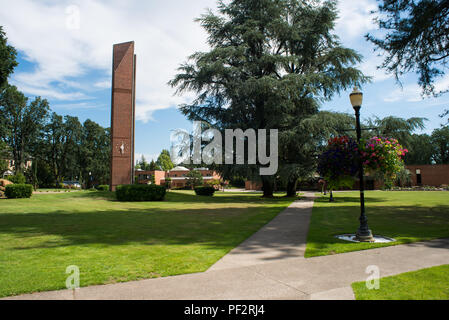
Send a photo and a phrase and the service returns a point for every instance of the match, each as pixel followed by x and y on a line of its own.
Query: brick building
pixel 178 176
pixel 434 175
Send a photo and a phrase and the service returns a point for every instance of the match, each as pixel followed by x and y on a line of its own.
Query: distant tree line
pixel 59 147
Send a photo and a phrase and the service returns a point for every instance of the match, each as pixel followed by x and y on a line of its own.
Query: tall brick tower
pixel 123 114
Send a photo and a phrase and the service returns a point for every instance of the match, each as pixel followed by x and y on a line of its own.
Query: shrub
pixel 140 192
pixel 205 191
pixel 16 191
pixel 102 187
pixel 17 179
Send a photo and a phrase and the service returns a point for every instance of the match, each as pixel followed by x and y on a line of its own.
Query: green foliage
pixel 268 68
pixel 61 145
pixel 4 157
pixel 141 192
pixel 414 38
pixel 19 178
pixel 421 150
pixel 440 142
pixel 213 183
pixel 16 191
pixel 194 179
pixel 22 123
pixel 404 178
pixel 164 161
pixel 237 181
pixel 102 187
pixel 168 182
pixel 7 58
pixel 95 153
pixel 153 166
pixel 397 128
pixel 205 191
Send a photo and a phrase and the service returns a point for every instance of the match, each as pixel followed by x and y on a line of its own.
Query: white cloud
pixel 354 18
pixel 148 157
pixel 412 92
pixel 66 58
pixel 81 105
pixel 409 93
pixel 106 84
pixel 369 68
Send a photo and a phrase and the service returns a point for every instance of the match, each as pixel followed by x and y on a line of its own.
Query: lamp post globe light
pixel 363 233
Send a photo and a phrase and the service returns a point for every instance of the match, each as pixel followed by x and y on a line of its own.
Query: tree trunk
pixel 267 187
pixel 291 188
pixel 331 198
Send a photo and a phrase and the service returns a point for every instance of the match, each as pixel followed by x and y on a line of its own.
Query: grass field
pixel 112 241
pixel 425 284
pixel 405 216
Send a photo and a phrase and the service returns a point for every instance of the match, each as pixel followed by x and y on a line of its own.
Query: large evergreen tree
pixel 398 128
pixel 164 161
pixel 271 64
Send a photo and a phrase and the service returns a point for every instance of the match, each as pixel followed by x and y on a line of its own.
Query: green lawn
pixel 405 216
pixel 113 242
pixel 425 284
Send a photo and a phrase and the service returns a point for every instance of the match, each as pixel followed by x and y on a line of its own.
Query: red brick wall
pixel 158 176
pixel 122 114
pixel 431 175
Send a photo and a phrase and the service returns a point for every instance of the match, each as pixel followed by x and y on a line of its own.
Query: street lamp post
pixel 363 233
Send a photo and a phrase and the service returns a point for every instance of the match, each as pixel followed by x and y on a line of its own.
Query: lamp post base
pixel 364 237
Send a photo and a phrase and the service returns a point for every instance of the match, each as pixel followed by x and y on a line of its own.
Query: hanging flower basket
pixel 381 154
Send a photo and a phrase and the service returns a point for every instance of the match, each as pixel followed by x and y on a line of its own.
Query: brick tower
pixel 123 114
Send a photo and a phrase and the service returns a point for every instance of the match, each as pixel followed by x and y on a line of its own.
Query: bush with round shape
pixel 205 191
pixel 102 187
pixel 17 191
pixel 17 179
pixel 140 192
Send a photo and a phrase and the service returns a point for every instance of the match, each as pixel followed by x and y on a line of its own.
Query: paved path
pixel 270 265
pixel 282 239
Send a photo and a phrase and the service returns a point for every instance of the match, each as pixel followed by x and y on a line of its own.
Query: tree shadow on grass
pixel 191 197
pixel 216 227
pixel 406 224
pixel 346 199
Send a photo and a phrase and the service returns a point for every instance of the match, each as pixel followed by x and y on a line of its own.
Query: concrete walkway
pixel 270 265
pixel 282 239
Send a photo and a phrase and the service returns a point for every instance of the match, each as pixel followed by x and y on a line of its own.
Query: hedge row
pixel 140 192
pixel 102 187
pixel 205 191
pixel 16 191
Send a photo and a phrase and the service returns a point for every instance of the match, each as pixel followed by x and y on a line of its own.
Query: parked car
pixel 71 184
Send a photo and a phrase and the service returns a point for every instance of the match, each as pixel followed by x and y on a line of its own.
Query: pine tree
pixel 271 64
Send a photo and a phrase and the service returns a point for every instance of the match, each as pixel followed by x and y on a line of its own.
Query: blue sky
pixel 65 53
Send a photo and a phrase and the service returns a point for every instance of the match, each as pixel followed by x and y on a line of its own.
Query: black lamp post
pixel 363 233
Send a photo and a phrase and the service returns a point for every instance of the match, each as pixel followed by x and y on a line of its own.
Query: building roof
pixel 179 168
